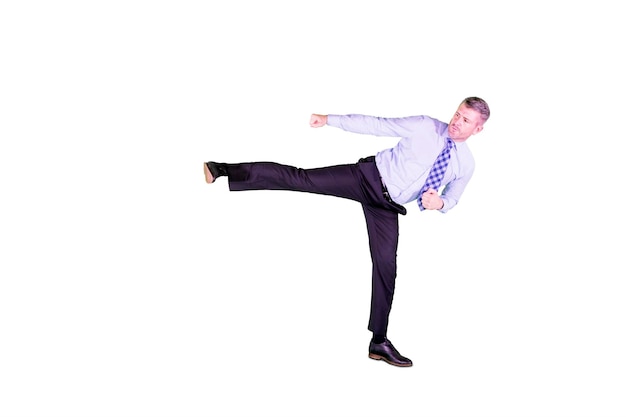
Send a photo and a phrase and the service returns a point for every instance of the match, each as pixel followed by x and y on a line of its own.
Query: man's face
pixel 465 123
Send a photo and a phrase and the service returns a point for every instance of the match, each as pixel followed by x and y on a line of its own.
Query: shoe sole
pixel 382 358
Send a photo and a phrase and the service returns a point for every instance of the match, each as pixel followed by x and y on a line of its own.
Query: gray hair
pixel 479 105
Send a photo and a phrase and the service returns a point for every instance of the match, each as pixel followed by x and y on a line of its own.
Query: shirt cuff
pixel 333 120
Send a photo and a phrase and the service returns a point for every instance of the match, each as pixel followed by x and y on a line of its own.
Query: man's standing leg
pixel 382 229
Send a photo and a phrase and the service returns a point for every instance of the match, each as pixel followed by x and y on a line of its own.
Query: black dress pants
pixel 360 182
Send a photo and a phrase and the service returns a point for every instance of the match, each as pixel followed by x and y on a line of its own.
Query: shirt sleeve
pixel 377 126
pixel 452 192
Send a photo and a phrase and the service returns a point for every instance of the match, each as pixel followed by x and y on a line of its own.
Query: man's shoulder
pixel 465 153
pixel 428 119
pixel 424 123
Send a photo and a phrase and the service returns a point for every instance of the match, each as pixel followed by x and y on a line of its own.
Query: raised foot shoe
pixel 208 175
pixel 386 352
pixel 212 170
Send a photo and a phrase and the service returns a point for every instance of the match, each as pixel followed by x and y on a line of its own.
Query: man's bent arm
pixel 452 193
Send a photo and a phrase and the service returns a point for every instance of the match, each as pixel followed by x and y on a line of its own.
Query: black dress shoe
pixel 215 170
pixel 388 353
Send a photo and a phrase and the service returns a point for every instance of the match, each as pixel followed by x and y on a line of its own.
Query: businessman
pixel 430 164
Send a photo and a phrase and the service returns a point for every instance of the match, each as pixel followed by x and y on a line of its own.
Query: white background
pixel 130 287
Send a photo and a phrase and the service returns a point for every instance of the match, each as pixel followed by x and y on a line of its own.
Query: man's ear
pixel 478 129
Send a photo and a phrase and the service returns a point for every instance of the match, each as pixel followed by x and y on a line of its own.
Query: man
pixel 429 154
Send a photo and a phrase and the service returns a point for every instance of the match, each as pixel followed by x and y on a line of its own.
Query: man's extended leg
pixel 346 181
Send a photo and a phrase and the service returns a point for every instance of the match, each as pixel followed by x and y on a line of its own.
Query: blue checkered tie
pixel 436 172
